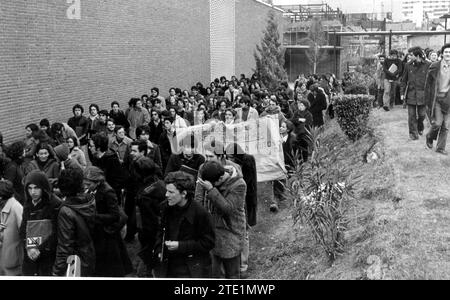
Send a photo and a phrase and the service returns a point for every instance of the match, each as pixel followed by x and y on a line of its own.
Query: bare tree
pixel 315 40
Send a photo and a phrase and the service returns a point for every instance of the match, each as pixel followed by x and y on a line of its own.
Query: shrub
pixel 352 113
pixel 320 189
pixel 355 90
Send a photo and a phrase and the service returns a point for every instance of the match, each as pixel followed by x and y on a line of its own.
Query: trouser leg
pixel 387 93
pixel 245 252
pixel 421 113
pixel 412 119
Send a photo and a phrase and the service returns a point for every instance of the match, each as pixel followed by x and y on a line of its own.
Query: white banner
pixel 260 138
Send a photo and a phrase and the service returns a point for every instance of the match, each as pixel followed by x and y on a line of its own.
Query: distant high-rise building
pixel 418 10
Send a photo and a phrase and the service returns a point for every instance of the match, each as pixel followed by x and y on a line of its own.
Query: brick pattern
pixel 222 38
pixel 117 50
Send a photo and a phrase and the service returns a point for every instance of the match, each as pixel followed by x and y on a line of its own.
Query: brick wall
pixel 251 21
pixel 118 49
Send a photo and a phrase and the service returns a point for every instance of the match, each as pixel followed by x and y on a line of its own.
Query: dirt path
pixel 417 228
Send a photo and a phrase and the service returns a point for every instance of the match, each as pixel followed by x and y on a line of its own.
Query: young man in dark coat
pixel 118 115
pixel 75 224
pixel 437 96
pixel 143 134
pixel 187 232
pixel 165 139
pixel 303 122
pixel 79 123
pixel 150 195
pixel 40 204
pixel 111 256
pixel 318 103
pixel 156 127
pixel 413 87
pixel 108 161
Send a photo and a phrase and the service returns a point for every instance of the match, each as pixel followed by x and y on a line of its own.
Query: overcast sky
pixel 352 6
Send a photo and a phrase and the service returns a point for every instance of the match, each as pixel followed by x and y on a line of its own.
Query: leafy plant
pixel 353 113
pixel 319 189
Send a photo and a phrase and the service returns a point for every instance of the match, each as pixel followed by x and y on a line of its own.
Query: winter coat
pixel 288 151
pixel 200 192
pixel 228 213
pixel 119 119
pixel 318 105
pixel 193 228
pixel 154 154
pixel 121 148
pixel 46 209
pixel 413 82
pixel 165 149
pixel 51 169
pixel 81 126
pixel 302 128
pixel 75 234
pixel 248 165
pixel 149 199
pixel 111 256
pixel 78 155
pixel 178 160
pixel 155 131
pixel 137 117
pixel 14 172
pixel 252 115
pixel 11 245
pixel 114 172
pixel 431 86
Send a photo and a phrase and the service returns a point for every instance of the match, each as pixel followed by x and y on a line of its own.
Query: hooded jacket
pixel 228 201
pixel 46 209
pixel 200 192
pixel 75 231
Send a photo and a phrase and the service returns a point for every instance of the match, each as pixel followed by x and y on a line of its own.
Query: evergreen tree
pixel 270 61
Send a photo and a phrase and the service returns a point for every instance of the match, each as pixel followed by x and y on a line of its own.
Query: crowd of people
pixel 70 188
pixel 421 81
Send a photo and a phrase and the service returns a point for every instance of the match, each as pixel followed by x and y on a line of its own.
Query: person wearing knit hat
pixel 112 259
pixel 40 205
pixel 11 245
pixel 67 162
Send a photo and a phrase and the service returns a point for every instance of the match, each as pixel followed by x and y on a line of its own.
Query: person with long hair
pixel 45 161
